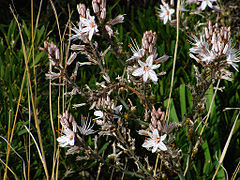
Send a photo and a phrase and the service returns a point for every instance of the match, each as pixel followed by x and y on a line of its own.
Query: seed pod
pixel 194 151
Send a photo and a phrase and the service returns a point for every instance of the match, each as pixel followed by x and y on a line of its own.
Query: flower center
pixel 145 68
pixel 157 140
pixel 92 24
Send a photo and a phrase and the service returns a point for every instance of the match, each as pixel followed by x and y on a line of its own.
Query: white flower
pixel 89 27
pixel 117 111
pixel 233 56
pixel 137 52
pixel 67 139
pixel 155 141
pixel 78 33
pixel 165 12
pixel 99 119
pixel 206 3
pixel 201 48
pixel 68 135
pixel 86 128
pixel 147 70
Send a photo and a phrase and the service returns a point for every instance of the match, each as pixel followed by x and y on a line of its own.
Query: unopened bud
pixel 95 6
pixel 103 13
pixel 81 10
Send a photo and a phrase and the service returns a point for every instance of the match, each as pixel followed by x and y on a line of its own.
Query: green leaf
pixel 182 100
pixel 173 114
pixel 210 93
pixel 207 156
pixel 103 148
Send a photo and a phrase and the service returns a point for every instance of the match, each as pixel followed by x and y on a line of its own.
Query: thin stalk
pixel 226 147
pixel 174 61
pixel 29 136
pixel 236 171
pixel 100 164
pixel 208 114
pixel 52 124
pixel 156 164
pixel 15 117
pixel 33 53
pixel 8 147
pixel 24 166
pixel 35 90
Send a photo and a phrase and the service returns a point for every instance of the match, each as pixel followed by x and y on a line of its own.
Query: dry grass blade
pixel 8 168
pixel 15 120
pixel 24 166
pixel 226 146
pixel 236 171
pixel 32 96
pixel 38 149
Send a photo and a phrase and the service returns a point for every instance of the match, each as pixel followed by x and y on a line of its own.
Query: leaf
pixel 103 148
pixel 210 93
pixel 182 100
pixel 207 156
pixel 173 114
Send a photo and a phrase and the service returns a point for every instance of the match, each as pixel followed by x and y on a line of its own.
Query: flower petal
pixel 153 76
pixel 145 76
pixel 138 72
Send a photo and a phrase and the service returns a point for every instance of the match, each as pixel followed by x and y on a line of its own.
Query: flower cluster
pixel 166 12
pixel 159 129
pixel 107 119
pixel 87 26
pixel 72 134
pixel 146 69
pixel 214 48
pixel 111 98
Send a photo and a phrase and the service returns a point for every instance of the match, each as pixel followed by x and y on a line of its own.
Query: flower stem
pixel 156 163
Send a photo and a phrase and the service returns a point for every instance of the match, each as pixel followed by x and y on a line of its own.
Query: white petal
pixel 155 134
pixel 138 72
pixel 149 61
pixel 155 66
pixel 203 5
pixel 165 19
pixel 162 146
pixel 171 11
pixel 154 149
pixel 153 76
pixel 118 109
pixel 90 34
pixel 148 143
pixel 142 64
pixel 209 4
pixel 98 113
pixel 145 76
pixel 143 132
pixel 163 137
